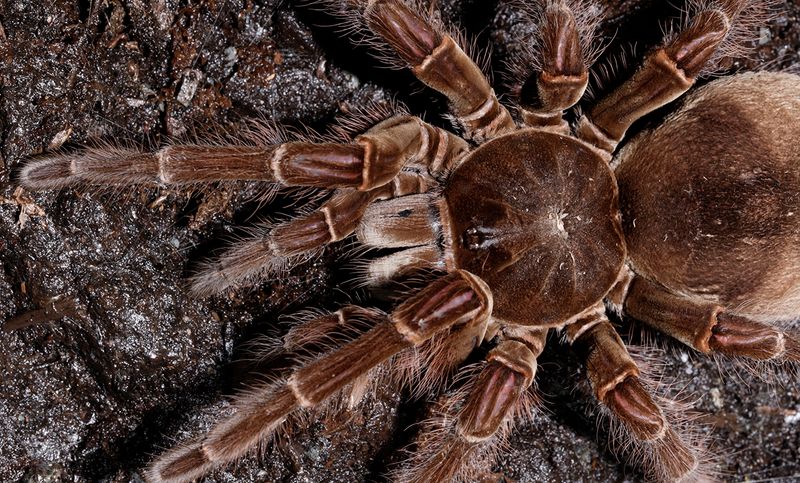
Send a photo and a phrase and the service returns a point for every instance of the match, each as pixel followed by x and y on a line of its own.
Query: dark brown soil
pixel 111 360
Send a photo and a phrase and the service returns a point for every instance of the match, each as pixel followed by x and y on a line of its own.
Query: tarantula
pixel 532 224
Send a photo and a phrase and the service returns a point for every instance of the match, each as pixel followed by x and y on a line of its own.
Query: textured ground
pixel 112 360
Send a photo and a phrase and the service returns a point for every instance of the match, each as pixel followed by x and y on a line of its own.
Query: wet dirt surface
pixel 112 360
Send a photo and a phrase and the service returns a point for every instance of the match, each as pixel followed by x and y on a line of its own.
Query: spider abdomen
pixel 711 198
pixel 535 215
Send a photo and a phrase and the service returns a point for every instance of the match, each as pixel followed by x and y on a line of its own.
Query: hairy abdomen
pixel 711 199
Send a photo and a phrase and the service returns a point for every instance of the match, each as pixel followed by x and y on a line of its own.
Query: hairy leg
pixel 560 60
pixel 614 377
pixel 285 244
pixel 472 423
pixel 313 333
pixel 371 161
pixel 707 327
pixel 438 61
pixel 666 73
pixel 457 298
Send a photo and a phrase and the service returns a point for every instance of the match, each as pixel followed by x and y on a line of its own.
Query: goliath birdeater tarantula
pixel 532 224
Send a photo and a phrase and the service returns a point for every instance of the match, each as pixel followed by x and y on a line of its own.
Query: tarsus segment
pixel 456 298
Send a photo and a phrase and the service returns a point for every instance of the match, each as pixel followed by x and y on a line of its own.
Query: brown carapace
pixel 532 224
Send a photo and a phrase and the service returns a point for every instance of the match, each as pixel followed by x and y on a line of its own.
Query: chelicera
pixel 531 224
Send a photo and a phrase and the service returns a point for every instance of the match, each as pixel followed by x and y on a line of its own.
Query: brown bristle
pixel 48 173
pixel 412 37
pixel 792 347
pixel 257 417
pixel 185 464
pixel 182 464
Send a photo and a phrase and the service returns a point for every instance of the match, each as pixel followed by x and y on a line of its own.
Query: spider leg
pixel 316 331
pixel 402 221
pixel 473 422
pixel 456 298
pixel 372 160
pixel 563 73
pixel 614 377
pixel 664 75
pixel 438 61
pixel 324 332
pixel 284 244
pixel 428 154
pixel 707 327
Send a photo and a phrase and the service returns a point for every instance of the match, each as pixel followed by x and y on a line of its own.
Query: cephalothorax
pixel 692 227
pixel 545 225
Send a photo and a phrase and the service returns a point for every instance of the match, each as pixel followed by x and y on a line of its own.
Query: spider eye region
pixel 476 238
pixel 536 216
